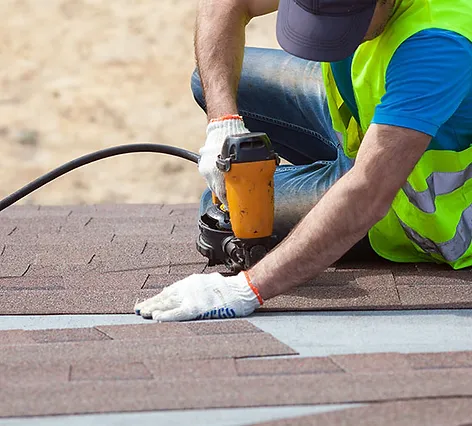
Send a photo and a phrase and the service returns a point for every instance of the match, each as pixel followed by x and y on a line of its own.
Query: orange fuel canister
pixel 249 162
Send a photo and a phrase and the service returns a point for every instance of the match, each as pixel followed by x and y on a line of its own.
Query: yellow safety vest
pixel 430 219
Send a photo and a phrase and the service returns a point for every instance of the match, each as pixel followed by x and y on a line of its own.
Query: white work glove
pixel 209 296
pixel 217 131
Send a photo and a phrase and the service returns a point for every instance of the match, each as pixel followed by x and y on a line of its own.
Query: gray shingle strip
pixel 431 412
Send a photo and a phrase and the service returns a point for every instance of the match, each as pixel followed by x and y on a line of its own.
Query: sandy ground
pixel 81 75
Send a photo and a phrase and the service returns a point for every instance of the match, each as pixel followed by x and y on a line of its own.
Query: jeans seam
pixel 286 168
pixel 289 126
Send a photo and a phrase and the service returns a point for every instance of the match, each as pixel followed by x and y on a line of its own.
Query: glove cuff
pixel 253 287
pixel 226 127
pixel 226 117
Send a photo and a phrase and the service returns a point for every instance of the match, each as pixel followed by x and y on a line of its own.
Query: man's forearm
pixel 348 210
pixel 219 49
pixel 341 219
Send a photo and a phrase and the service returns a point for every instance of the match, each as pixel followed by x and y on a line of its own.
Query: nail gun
pixel 242 234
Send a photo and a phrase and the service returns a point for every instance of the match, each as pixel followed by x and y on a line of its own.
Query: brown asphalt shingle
pixel 433 412
pixel 102 371
pixel 269 367
pixel 135 350
pixel 32 283
pixel 171 366
pixel 101 259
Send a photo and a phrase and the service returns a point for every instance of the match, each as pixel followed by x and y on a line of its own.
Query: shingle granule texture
pixel 101 259
pixel 434 412
pixel 216 364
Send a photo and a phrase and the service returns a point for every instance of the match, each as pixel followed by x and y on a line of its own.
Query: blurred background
pixel 81 75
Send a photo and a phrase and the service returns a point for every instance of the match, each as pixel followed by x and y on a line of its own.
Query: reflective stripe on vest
pixel 439 183
pixel 451 250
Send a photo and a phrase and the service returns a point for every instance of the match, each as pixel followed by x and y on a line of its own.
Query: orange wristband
pixel 253 288
pixel 227 117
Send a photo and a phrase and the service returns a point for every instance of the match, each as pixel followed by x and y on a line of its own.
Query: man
pixel 391 158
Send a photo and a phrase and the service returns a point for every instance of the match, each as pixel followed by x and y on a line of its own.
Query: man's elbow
pixel 376 197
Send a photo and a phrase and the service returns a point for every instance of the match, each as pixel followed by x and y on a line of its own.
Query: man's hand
pixel 217 131
pixel 209 296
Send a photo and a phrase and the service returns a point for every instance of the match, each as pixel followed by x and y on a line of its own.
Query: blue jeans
pixel 284 96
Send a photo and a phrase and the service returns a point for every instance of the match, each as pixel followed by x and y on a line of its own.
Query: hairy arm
pixel 219 48
pixel 345 214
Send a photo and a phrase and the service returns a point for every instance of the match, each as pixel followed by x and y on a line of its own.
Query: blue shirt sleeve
pixel 428 78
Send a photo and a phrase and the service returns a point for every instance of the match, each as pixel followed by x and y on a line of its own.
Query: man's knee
pixel 197 89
